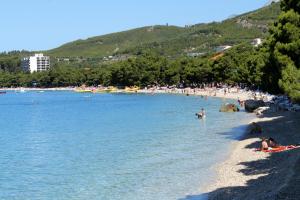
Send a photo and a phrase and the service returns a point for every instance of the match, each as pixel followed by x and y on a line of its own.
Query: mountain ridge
pixel 174 40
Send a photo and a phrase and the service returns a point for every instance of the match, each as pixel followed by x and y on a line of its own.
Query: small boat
pixel 81 90
pixel 109 89
pixel 2 92
pixel 133 89
pixel 112 89
pixel 98 91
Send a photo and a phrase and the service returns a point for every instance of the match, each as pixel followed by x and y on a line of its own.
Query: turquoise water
pixel 64 145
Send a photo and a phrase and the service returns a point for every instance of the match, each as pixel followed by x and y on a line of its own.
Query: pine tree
pixel 284 47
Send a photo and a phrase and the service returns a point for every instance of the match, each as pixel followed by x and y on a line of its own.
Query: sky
pixel 46 24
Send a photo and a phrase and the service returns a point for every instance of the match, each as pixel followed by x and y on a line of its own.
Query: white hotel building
pixel 36 63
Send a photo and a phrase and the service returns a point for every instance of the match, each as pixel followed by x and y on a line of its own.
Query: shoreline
pixel 38 89
pixel 225 93
pixel 226 171
pixel 233 93
pixel 247 174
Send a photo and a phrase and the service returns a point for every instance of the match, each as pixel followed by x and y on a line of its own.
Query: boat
pixel 81 90
pixel 112 89
pixel 2 92
pixel 109 89
pixel 133 89
pixel 100 90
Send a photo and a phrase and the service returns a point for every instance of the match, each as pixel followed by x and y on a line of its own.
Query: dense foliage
pixel 148 69
pixel 10 62
pixel 282 50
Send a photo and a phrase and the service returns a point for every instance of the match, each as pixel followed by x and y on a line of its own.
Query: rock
pixel 251 105
pixel 229 108
pixel 261 110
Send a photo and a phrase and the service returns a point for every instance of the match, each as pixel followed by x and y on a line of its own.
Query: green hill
pixel 172 40
pixel 116 42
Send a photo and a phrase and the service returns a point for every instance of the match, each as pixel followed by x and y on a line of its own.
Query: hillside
pixel 206 37
pixel 114 43
pixel 172 40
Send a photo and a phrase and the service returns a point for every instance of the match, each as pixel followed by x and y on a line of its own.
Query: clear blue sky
pixel 46 24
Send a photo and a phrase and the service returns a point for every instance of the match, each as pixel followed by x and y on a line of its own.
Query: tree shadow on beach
pixel 273 177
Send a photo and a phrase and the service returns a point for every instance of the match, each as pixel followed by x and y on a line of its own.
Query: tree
pixel 283 45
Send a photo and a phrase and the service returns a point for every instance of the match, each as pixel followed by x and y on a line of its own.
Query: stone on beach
pixel 251 105
pixel 229 108
pixel 261 110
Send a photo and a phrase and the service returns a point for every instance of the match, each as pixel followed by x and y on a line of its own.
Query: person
pixel 240 102
pixel 255 128
pixel 201 114
pixel 273 143
pixel 264 144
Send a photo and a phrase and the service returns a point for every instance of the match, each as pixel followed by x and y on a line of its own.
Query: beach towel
pixel 279 149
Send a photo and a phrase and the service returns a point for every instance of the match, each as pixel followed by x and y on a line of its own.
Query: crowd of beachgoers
pixel 209 90
pixel 231 92
pixel 237 92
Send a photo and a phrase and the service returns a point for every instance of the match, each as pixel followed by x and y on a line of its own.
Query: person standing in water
pixel 202 111
pixel 201 114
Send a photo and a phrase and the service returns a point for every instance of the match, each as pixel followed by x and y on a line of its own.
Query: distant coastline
pixel 38 89
pixel 226 93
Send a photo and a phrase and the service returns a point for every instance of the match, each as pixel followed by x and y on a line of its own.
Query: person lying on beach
pixel 264 144
pixel 274 147
pixel 268 144
pixel 273 143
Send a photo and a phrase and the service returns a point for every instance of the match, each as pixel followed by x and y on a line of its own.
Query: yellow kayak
pixel 131 89
pixel 83 90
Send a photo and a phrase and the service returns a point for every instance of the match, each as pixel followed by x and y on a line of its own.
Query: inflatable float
pixel 279 149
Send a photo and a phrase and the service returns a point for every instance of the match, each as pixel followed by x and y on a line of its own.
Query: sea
pixel 65 145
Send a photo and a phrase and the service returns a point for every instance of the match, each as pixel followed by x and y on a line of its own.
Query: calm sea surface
pixel 64 145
